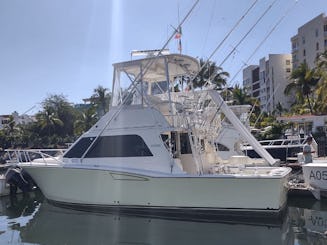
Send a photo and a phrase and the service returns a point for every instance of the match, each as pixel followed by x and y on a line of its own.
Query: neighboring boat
pixel 308 219
pixel 155 150
pixel 14 180
pixel 230 142
pixel 13 177
pixel 315 177
pixel 283 149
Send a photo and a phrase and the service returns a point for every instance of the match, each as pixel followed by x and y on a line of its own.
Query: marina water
pixel 32 220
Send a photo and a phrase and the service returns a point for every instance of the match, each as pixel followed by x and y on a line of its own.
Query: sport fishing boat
pixel 155 150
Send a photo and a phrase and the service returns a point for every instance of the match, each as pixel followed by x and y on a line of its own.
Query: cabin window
pixel 111 146
pixel 221 147
pixel 185 144
pixel 79 148
pixel 170 143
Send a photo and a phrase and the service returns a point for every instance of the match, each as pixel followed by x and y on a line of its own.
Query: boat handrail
pixel 29 155
pixel 286 142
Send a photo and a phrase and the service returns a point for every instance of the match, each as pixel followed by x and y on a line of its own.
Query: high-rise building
pixel 310 41
pixel 268 81
pixel 250 80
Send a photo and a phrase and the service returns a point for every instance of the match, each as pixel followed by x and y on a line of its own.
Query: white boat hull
pixel 315 174
pixel 100 187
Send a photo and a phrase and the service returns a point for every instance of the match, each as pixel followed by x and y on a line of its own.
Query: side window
pixel 79 148
pixel 110 146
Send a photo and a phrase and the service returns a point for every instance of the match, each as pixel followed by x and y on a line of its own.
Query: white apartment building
pixel 250 80
pixel 310 41
pixel 268 81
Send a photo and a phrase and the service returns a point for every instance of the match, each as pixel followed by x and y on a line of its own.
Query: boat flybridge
pixel 154 150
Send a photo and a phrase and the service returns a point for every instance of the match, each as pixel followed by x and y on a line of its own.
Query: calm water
pixel 34 221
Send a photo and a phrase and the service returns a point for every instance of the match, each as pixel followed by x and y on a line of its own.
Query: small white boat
pixel 315 177
pixel 155 150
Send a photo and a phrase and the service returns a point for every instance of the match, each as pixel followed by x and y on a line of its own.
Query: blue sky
pixel 68 46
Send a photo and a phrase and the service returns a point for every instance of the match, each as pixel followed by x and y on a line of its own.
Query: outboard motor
pixel 17 177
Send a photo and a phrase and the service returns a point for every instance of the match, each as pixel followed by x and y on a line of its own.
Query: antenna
pixel 228 34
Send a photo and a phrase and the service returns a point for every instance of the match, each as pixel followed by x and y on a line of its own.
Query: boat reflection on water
pixel 19 206
pixel 51 224
pixel 35 221
pixel 308 220
pixel 55 225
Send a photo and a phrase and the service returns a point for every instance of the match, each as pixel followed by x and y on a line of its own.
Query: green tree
pixel 86 119
pixel 48 120
pixel 101 99
pixel 321 91
pixel 210 74
pixel 13 133
pixel 58 107
pixel 303 80
pixel 240 97
pixel 279 110
pixel 56 121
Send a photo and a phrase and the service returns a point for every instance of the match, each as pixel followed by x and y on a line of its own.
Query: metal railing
pixel 16 156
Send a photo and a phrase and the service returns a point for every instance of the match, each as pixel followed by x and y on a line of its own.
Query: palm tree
pixel 101 99
pixel 240 97
pixel 321 90
pixel 57 107
pixel 86 120
pixel 303 79
pixel 322 61
pixel 48 120
pixel 210 74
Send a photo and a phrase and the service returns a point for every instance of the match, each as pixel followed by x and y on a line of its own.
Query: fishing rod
pixel 266 107
pixel 257 48
pixel 264 40
pixel 13 121
pixel 225 38
pixel 250 30
pixel 245 36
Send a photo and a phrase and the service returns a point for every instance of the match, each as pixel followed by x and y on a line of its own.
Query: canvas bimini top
pixel 154 69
